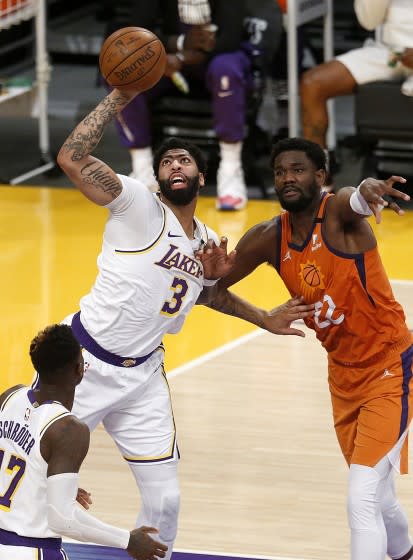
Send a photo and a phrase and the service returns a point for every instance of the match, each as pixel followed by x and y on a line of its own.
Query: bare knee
pixel 314 85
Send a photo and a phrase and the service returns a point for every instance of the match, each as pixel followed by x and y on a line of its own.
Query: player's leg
pixel 368 533
pixel 399 544
pixel 317 85
pixel 160 499
pixel 144 430
pixel 99 379
pixel 377 523
pixel 227 81
pixel 339 77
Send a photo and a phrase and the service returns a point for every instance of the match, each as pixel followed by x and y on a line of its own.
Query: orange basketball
pixel 311 275
pixel 132 58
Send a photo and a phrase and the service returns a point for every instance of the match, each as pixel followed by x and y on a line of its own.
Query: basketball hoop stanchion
pixel 298 13
pixel 14 12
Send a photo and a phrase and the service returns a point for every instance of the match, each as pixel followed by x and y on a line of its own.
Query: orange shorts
pixel 372 407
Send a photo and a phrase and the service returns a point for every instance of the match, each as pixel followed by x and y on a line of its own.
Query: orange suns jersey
pixel 356 316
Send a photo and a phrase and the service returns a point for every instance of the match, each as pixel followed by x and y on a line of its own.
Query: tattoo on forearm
pixel 230 304
pixel 92 173
pixel 86 136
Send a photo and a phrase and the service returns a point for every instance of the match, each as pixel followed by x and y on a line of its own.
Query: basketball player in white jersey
pixel 151 273
pixel 42 446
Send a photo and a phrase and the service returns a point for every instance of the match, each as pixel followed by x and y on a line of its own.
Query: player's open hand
pixel 83 497
pixel 279 319
pixel 380 193
pixel 142 547
pixel 215 259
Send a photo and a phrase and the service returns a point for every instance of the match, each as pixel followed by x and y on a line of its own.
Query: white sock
pixel 230 153
pixel 230 176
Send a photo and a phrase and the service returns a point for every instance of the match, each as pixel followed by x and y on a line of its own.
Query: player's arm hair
pixel 94 178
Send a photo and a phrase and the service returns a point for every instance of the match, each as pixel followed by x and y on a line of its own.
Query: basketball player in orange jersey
pixel 325 250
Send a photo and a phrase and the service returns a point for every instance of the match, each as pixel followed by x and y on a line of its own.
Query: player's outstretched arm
pixel 94 178
pixel 64 447
pixel 256 247
pixel 370 197
pixel 276 321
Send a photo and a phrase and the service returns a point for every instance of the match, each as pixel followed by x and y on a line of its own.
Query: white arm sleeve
pixel 67 519
pixel 371 13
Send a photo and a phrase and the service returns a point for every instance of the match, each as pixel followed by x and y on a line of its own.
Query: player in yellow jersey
pixel 325 250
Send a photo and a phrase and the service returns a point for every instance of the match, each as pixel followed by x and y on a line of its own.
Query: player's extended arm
pixel 94 178
pixel 276 321
pixel 64 446
pixel 255 248
pixel 370 197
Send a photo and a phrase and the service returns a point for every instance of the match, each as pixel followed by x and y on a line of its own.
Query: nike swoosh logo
pixel 173 235
pixel 224 93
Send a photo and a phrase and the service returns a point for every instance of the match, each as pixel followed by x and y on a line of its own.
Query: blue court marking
pixel 94 552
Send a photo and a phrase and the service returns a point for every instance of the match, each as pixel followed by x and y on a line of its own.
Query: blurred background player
pixel 389 57
pixel 42 448
pixel 203 41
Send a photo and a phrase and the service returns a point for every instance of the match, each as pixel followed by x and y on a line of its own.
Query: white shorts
pixel 370 64
pixel 27 553
pixel 134 405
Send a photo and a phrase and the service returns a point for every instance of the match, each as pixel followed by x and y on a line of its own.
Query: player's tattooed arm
pixel 94 178
pixel 276 321
pixel 86 136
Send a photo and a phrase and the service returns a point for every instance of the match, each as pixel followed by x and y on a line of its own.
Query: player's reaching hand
pixel 215 259
pixel 142 547
pixel 279 319
pixel 376 193
pixel 83 498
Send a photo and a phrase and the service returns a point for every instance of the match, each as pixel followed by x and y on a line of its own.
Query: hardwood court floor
pixel 261 473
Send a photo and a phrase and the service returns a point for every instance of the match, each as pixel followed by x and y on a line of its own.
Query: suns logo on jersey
pixel 312 279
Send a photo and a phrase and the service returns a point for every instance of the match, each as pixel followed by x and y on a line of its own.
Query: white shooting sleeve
pixel 66 518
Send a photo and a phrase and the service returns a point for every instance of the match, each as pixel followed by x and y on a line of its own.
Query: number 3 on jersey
pixel 15 469
pixel 179 287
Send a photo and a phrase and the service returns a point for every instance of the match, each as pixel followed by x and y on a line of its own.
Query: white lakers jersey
pixel 23 471
pixel 148 277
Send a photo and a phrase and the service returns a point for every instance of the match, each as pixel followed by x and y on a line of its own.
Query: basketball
pixel 311 275
pixel 133 59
